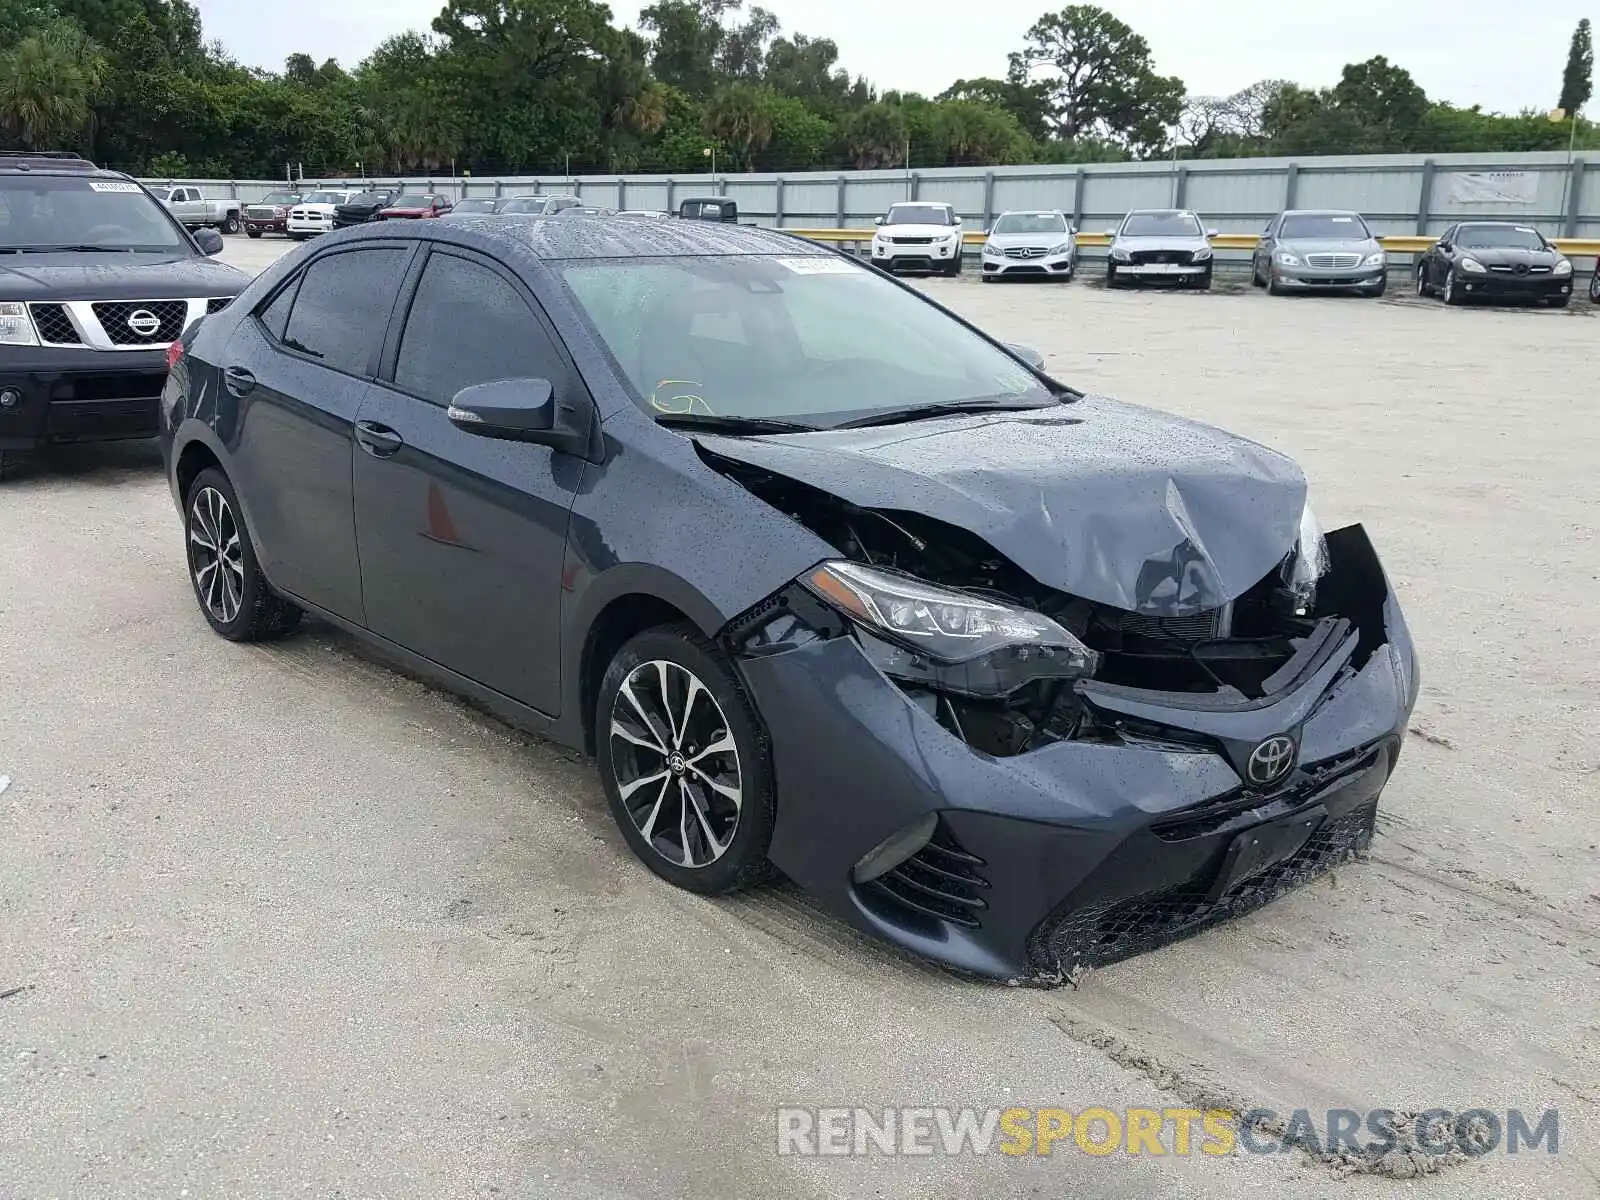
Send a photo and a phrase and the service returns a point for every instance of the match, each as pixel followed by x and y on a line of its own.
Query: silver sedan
pixel 1039 244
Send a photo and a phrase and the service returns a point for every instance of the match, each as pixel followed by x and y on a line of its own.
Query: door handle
pixel 378 440
pixel 238 380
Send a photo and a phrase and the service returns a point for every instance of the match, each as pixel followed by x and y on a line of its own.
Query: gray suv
pixel 1319 250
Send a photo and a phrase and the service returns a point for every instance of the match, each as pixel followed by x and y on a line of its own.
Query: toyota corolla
pixel 826 579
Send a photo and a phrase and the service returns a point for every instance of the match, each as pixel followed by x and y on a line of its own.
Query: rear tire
pixel 684 762
pixel 233 594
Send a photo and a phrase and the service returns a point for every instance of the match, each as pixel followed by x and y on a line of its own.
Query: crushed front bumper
pixel 1081 852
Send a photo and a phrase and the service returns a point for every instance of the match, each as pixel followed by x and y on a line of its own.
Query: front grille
pixel 912 241
pixel 1209 818
pixel 942 880
pixel 1214 623
pixel 1333 262
pixel 114 316
pixel 54 326
pixel 1023 252
pixel 1520 269
pixel 260 214
pixel 1141 258
pixel 217 303
pixel 1098 934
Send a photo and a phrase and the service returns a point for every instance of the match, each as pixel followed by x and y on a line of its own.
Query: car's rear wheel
pixel 233 594
pixel 684 762
pixel 231 223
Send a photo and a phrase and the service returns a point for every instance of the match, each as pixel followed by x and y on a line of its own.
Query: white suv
pixel 314 213
pixel 918 237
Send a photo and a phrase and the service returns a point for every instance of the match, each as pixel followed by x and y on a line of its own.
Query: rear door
pixel 462 537
pixel 299 370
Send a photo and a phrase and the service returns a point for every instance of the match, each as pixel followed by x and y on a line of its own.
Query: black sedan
pixel 1495 260
pixel 826 579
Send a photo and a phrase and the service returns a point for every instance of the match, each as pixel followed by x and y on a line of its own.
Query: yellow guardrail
pixel 1398 244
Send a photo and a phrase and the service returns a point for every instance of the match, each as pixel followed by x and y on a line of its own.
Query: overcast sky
pixel 1503 56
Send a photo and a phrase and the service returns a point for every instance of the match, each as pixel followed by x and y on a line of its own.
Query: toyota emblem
pixel 1271 760
pixel 143 322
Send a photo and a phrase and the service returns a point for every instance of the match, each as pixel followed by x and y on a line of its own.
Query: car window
pixel 343 305
pixel 468 325
pixel 275 316
pixel 919 214
pixel 1333 227
pixel 42 211
pixel 1031 223
pixel 1161 224
pixel 813 338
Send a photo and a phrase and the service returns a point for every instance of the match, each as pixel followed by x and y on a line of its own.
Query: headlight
pixel 992 251
pixel 962 643
pixel 1472 266
pixel 1284 259
pixel 1118 253
pixel 278 212
pixel 1375 260
pixel 1308 563
pixel 1201 255
pixel 16 327
pixel 1564 267
pixel 1063 248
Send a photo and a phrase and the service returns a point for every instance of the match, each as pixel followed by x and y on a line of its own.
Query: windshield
pixel 1499 237
pixel 1031 223
pixel 919 214
pixel 1161 224
pixel 411 202
pixel 1326 227
pixel 43 211
pixel 814 339
pixel 279 198
pixel 525 204
pixel 324 198
pixel 370 198
pixel 475 206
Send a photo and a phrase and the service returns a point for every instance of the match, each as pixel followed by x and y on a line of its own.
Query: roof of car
pixel 1320 212
pixel 603 237
pixel 52 162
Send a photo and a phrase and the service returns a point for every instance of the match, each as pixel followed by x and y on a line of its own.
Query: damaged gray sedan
pixel 1017 677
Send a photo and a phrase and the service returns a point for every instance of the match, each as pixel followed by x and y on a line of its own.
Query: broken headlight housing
pixel 955 641
pixel 1307 565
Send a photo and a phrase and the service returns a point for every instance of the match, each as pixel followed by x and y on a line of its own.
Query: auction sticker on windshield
pixel 112 185
pixel 818 265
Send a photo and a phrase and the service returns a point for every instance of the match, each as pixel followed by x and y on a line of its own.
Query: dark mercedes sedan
pixel 825 578
pixel 1498 260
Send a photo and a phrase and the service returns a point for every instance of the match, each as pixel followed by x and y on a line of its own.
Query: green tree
pixel 48 84
pixel 875 136
pixel 1028 103
pixel 740 116
pixel 1100 78
pixel 1383 100
pixel 1577 80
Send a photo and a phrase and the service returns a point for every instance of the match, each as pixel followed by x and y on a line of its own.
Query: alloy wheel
pixel 1422 280
pixel 676 763
pixel 1450 287
pixel 216 555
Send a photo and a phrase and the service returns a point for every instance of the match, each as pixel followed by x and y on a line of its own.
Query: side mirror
pixel 209 241
pixel 1111 233
pixel 877 220
pixel 1211 233
pixel 520 410
pixel 1028 355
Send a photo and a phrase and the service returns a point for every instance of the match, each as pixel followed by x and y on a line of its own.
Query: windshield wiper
pixel 919 412
pixel 69 249
pixel 730 423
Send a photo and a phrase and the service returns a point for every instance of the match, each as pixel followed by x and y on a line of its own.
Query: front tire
pixel 233 594
pixel 254 233
pixel 1423 290
pixel 684 762
pixel 1594 285
pixel 1112 279
pixel 1203 284
pixel 231 224
pixel 1274 288
pixel 1556 301
pixel 1452 294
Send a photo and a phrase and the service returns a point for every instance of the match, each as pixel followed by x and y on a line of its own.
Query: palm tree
pixel 48 82
pixel 739 116
pixel 876 136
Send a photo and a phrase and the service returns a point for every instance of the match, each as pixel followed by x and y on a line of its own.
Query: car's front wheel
pixel 1556 301
pixel 684 762
pixel 1594 285
pixel 254 233
pixel 1452 294
pixel 1423 290
pixel 234 595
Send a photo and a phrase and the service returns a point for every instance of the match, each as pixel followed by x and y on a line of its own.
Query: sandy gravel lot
pixel 287 923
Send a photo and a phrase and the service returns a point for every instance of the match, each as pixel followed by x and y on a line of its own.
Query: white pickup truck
pixel 195 211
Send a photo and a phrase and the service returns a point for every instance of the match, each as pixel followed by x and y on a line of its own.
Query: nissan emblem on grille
pixel 1271 760
pixel 143 322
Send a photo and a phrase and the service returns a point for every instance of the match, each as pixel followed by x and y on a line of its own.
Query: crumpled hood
pixel 114 277
pixel 1107 501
